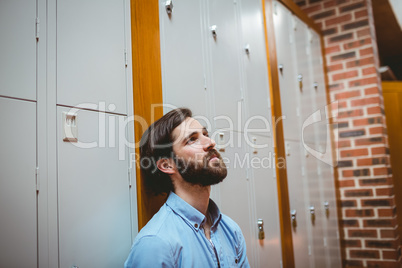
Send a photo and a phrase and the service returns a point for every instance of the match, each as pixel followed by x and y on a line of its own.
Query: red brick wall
pixel 366 188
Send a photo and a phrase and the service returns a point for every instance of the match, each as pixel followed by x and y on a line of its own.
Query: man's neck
pixel 195 195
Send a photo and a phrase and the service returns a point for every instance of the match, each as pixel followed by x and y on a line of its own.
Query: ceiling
pixel 389 38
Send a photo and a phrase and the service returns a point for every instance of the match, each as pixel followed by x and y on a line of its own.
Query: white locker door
pixel 91 53
pixel 224 65
pixel 18 232
pixel 299 203
pixel 262 157
pixel 93 194
pixel 331 230
pixel 315 202
pixel 18 49
pixel 254 57
pixel 233 194
pixel 322 135
pixel 286 55
pixel 307 103
pixel 182 57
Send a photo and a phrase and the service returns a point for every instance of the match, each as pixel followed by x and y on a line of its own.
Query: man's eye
pixel 191 140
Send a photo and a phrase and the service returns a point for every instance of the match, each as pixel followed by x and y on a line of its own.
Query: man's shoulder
pixel 157 223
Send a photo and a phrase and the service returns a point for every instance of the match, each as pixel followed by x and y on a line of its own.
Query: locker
pixel 257 98
pixel 304 75
pixel 183 88
pixel 299 202
pixel 224 63
pixel 331 230
pixel 18 221
pixel 266 201
pixel 18 49
pixel 234 193
pixel 91 53
pixel 286 55
pixel 322 134
pixel 315 198
pixel 93 193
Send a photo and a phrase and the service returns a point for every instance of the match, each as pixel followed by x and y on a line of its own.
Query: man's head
pixel 179 146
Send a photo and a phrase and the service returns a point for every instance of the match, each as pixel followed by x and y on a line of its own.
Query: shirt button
pixel 236 260
pixel 196 225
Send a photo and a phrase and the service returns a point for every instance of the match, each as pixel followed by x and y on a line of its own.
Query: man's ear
pixel 166 165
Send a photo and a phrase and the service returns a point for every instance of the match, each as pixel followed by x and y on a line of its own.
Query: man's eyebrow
pixel 194 133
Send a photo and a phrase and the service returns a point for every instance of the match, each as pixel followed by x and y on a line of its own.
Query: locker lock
pixel 315 85
pixel 300 79
pixel 261 233
pixel 312 213
pixel 213 29
pixel 293 218
pixel 280 67
pixel 169 6
pixel 326 207
pixel 247 49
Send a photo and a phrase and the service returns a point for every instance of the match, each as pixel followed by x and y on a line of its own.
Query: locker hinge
pixel 125 58
pixel 37 28
pixel 205 82
pixel 37 179
pixel 129 178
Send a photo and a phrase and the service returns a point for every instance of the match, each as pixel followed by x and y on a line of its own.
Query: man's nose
pixel 209 144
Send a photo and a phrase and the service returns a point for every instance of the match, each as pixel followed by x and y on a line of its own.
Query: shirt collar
pixel 191 214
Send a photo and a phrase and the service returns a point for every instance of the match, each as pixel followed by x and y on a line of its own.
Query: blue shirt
pixel 174 237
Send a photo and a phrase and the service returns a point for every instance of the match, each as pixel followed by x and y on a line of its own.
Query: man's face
pixel 195 156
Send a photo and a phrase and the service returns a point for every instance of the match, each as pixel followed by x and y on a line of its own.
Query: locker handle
pixel 293 218
pixel 261 233
pixel 280 67
pixel 326 207
pixel 315 85
pixel 169 6
pixel 247 49
pixel 213 29
pixel 312 213
pixel 300 79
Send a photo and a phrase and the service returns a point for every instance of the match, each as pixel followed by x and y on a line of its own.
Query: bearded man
pixel 178 157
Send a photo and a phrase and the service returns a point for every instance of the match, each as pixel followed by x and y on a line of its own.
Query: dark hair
pixel 157 143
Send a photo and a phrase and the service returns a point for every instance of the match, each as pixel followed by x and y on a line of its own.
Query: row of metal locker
pixel 66 70
pixel 225 78
pixel 307 141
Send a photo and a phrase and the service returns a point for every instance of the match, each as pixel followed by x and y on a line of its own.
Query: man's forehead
pixel 187 127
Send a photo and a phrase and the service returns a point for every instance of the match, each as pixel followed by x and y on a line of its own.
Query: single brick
pixel 379 223
pixel 345 75
pixel 386 212
pixel 366 51
pixel 375 181
pixel 352 243
pixel 358 192
pixel 382 264
pixel 391 255
pixel 361 172
pixel 341 37
pixel 381 171
pixel 335 67
pixel 346 183
pixel 348 203
pixel 379 150
pixel 391 233
pixel 343 56
pixel 324 14
pixel 354 133
pixel 344 144
pixel 350 113
pixel 377 130
pixel 311 9
pixel 329 31
pixel 333 3
pixel 363 81
pixel 348 163
pixel 360 14
pixel 358 43
pixel 350 223
pixel 365 253
pixel 301 3
pixel 338 86
pixel 386 202
pixel 363 32
pixel 389 244
pixel 354 152
pixel 374 110
pixel 371 233
pixel 360 62
pixel 389 191
pixel 369 141
pixel 352 263
pixel 352 7
pixel 355 25
pixel 347 94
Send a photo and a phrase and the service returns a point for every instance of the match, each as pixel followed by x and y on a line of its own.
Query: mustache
pixel 212 153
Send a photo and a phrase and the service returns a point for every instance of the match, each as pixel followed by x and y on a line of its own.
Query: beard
pixel 205 173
